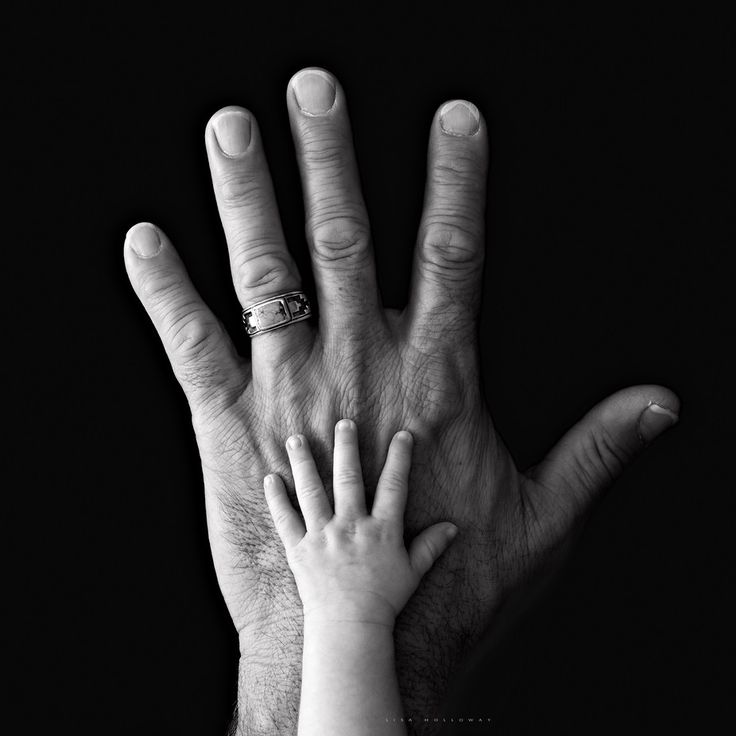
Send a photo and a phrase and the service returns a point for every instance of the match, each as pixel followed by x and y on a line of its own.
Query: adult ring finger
pixel 277 311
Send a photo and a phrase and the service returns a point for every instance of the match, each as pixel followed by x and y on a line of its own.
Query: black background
pixel 610 226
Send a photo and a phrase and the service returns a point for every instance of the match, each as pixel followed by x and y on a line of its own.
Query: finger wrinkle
pixel 158 284
pixel 189 331
pixel 241 188
pixel 446 225
pixel 325 151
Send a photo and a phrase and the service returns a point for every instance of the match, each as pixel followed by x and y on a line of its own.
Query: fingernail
pixel 451 531
pixel 294 442
pixel 404 436
pixel 268 481
pixel 654 420
pixel 345 425
pixel 144 240
pixel 232 131
pixel 314 91
pixel 460 118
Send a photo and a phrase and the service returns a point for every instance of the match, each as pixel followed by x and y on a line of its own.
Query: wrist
pixel 269 675
pixel 266 694
pixel 364 609
pixel 350 645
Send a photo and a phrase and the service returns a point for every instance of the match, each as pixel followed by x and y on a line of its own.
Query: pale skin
pixel 354 575
pixel 416 368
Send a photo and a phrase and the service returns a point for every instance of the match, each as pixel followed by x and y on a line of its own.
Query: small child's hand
pixel 352 565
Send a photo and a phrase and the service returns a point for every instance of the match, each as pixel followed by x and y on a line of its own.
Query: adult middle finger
pixel 337 225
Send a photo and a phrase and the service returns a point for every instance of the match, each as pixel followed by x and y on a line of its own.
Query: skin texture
pixel 416 368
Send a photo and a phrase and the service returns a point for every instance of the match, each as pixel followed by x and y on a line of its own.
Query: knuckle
pixel 308 487
pixel 191 336
pixel 430 549
pixel 192 339
pixel 460 169
pixel 321 149
pixel 349 477
pixel 393 480
pixel 613 457
pixel 281 517
pixel 348 527
pixel 237 188
pixel 440 385
pixel 265 269
pixel 310 490
pixel 160 285
pixel 601 461
pixel 451 247
pixel 341 239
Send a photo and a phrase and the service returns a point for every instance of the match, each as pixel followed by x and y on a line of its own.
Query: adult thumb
pixel 592 454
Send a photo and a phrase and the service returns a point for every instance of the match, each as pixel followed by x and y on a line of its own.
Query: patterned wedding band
pixel 277 311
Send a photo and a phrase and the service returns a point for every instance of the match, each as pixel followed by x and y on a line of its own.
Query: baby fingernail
pixel 144 240
pixel 459 118
pixel 654 420
pixel 404 436
pixel 315 92
pixel 451 531
pixel 232 131
pixel 294 442
pixel 345 425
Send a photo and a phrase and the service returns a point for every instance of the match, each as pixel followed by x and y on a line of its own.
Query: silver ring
pixel 276 311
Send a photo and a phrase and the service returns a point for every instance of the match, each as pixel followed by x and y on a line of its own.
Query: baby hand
pixel 352 565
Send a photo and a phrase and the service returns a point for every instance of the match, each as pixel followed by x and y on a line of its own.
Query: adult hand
pixel 386 369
